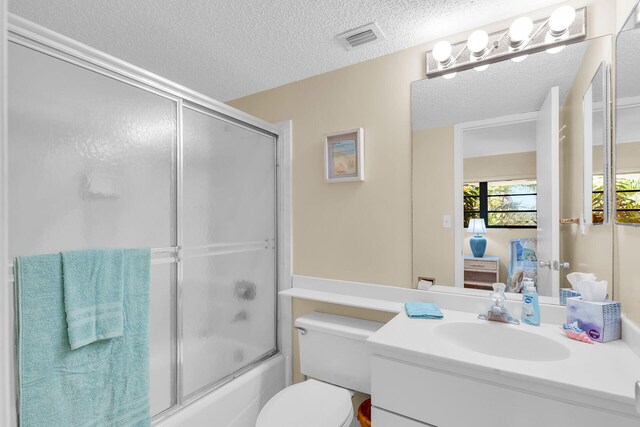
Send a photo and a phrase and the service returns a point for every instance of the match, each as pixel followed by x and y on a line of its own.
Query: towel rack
pixel 158 256
pixel 173 254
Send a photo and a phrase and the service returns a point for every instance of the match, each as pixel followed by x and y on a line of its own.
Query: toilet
pixel 337 363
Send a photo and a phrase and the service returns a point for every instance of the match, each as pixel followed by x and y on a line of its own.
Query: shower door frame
pixel 7 378
pixel 33 36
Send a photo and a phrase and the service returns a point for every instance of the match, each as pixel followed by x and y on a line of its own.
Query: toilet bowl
pixel 310 404
pixel 333 352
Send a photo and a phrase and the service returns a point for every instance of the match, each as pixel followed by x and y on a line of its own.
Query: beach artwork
pixel 344 156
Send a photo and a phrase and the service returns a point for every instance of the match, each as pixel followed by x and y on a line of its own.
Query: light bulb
pixel 442 51
pixel 550 39
pixel 478 41
pixel 520 30
pixel 481 68
pixel 561 19
pixel 519 58
pixel 556 49
pixel 450 76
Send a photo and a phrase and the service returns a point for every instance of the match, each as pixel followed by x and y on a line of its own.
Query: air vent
pixel 360 36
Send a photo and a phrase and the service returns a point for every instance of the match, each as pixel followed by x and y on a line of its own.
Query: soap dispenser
pixel 497 311
pixel 530 307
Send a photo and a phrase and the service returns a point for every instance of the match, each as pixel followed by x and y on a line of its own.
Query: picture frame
pixel 344 156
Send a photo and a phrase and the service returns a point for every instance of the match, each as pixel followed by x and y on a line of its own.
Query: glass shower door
pixel 93 164
pixel 229 255
pixel 101 160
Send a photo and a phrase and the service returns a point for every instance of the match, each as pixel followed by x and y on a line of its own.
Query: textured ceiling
pixel 230 48
pixel 505 88
pixel 501 139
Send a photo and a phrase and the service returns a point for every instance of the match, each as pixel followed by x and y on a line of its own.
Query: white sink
pixel 502 340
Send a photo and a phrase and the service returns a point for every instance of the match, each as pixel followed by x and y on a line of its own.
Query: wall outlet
pixel 446 221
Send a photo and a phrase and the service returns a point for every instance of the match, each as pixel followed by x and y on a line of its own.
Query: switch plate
pixel 446 221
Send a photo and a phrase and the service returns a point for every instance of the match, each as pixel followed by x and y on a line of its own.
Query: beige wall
pixel 357 231
pixel 627 238
pixel 362 231
pixel 591 252
pixel 433 197
pixel 628 157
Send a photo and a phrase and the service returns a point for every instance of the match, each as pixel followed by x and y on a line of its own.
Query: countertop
pixel 601 375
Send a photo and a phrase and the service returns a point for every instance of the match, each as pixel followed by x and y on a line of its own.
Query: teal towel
pixel 92 281
pixel 423 310
pixel 105 383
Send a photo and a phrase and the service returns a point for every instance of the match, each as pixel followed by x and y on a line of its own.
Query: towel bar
pixel 171 254
pixel 170 257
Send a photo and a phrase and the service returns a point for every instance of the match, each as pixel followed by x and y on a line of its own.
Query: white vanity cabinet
pixel 405 394
pixel 422 377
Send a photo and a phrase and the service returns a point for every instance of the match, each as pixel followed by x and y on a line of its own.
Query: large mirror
pixel 510 169
pixel 628 122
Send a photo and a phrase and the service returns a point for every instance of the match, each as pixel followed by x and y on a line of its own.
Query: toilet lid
pixel 311 404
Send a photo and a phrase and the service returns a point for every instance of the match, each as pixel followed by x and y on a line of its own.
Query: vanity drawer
pixel 448 400
pixel 382 418
pixel 480 264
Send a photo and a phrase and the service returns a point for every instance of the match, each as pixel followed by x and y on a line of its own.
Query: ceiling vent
pixel 360 36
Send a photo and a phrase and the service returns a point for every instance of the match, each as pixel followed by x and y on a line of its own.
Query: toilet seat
pixel 311 404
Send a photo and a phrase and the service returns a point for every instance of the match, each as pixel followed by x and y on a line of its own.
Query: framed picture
pixel 344 156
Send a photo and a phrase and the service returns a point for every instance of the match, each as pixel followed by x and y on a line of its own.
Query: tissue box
pixel 567 293
pixel 600 320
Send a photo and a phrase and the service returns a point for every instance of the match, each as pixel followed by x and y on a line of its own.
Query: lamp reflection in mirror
pixel 478 243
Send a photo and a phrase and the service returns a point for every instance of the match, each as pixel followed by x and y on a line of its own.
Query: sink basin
pixel 501 340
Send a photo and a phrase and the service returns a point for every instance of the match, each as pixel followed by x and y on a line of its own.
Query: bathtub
pixel 237 403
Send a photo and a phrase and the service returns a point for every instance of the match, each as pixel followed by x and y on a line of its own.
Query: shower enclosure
pixel 102 156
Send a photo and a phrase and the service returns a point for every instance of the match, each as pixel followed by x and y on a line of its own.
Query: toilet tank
pixel 333 349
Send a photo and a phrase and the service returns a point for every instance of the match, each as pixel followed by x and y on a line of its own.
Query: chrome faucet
pixel 497 311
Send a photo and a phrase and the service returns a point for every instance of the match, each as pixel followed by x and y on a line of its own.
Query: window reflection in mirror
pixel 506 145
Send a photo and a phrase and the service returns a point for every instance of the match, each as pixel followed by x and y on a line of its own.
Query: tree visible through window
pixel 597 200
pixel 628 198
pixel 502 204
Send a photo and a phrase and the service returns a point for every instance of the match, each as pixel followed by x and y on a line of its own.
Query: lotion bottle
pixel 530 307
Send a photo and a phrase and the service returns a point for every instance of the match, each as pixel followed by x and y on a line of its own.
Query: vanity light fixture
pixel 442 53
pixel 561 20
pixel 477 44
pixel 525 36
pixel 519 33
pixel 559 24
